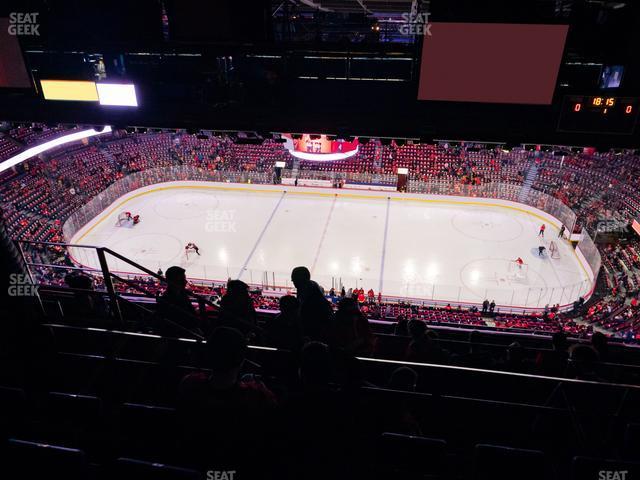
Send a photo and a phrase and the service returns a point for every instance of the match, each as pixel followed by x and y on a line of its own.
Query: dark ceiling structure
pixel 335 66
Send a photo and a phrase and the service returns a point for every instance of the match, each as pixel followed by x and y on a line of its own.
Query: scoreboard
pixel 600 114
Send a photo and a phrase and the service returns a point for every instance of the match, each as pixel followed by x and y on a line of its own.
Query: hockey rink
pixel 449 249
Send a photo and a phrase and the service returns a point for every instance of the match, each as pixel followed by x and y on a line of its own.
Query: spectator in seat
pixel 86 306
pixel 175 304
pixel 476 356
pixel 315 310
pixel 236 308
pixel 402 327
pixel 225 416
pixel 350 329
pixel 423 346
pixel 284 331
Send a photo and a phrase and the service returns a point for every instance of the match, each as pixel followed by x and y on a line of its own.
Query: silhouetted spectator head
pixel 349 306
pixel 315 365
pixel 300 276
pixel 417 329
pixel 237 287
pixel 289 305
pixel 316 312
pixel 403 378
pixel 559 341
pixel 226 350
pixel 237 305
pixel 176 278
pixel 85 303
pixel 402 327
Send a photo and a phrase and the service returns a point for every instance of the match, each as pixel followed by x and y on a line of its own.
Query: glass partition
pixel 505 294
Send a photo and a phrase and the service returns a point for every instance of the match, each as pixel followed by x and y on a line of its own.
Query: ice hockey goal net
pixel 554 251
pixel 123 218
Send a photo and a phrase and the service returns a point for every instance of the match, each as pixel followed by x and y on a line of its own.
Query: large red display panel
pixel 13 73
pixel 491 62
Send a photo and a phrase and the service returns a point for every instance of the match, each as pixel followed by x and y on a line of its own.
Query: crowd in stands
pixel 39 133
pixel 319 402
pixel 41 193
pixel 310 384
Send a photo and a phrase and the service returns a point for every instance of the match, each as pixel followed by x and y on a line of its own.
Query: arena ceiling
pixel 291 65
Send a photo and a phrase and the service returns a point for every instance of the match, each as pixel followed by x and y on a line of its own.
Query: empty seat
pixel 31 460
pixel 492 462
pixel 412 456
pixel 129 468
pixel 68 419
pixel 589 467
pixel 631 448
pixel 13 410
pixel 147 431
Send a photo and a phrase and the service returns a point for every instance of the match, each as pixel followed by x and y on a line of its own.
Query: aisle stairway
pixel 529 178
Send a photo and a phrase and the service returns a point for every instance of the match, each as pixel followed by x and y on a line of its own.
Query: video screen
pixel 491 62
pixel 320 147
pixel 611 76
pixel 13 73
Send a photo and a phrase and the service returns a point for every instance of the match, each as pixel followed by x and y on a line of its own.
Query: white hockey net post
pixel 554 251
pixel 122 219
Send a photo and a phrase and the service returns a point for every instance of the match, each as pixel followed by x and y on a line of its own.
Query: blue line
pixel 384 245
pixel 324 233
pixel 264 230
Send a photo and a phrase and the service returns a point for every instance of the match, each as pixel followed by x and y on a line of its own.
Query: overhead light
pixel 117 94
pixel 70 90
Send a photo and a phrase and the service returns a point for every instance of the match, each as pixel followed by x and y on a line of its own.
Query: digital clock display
pixel 617 115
